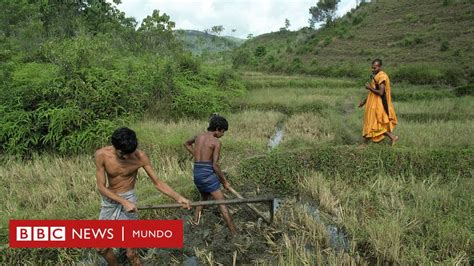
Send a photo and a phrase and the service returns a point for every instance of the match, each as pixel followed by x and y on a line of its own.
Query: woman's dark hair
pixel 125 140
pixel 217 122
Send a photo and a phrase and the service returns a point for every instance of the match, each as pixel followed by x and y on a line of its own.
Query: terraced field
pixel 297 138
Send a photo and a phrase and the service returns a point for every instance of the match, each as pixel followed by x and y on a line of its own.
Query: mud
pixel 210 241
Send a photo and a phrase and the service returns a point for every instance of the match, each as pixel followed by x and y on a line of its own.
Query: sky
pixel 245 16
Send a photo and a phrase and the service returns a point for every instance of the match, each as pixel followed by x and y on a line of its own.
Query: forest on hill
pixel 74 70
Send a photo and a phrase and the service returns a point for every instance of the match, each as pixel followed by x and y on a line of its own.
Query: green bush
pixel 186 63
pixel 466 90
pixel 199 95
pixel 357 20
pixel 260 51
pixel 241 58
pixel 199 102
pixel 444 46
pixel 77 89
pixel 425 74
pixel 296 66
pixel 421 95
pixel 410 40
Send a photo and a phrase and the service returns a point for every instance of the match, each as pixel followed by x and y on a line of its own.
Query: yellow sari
pixel 377 119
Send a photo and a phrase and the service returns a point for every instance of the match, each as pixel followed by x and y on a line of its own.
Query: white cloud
pixel 246 16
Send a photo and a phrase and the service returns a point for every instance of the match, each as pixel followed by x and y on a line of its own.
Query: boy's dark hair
pixel 378 61
pixel 125 140
pixel 217 122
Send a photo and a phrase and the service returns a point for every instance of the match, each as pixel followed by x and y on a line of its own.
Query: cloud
pixel 247 17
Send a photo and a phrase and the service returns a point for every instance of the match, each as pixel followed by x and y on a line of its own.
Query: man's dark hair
pixel 378 61
pixel 217 122
pixel 125 140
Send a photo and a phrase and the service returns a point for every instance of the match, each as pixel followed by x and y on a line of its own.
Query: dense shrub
pixel 70 99
pixel 421 95
pixel 205 93
pixel 241 58
pixel 260 51
pixel 465 90
pixel 425 74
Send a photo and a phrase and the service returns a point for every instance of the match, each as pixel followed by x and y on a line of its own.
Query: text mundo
pixel 152 233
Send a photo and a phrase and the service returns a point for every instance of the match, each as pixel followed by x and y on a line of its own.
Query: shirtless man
pixel 118 166
pixel 207 174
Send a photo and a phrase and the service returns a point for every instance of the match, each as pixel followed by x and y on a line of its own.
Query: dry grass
pixel 308 127
pixel 396 219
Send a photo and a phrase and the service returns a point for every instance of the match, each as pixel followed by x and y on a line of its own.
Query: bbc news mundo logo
pixel 96 233
pixel 41 233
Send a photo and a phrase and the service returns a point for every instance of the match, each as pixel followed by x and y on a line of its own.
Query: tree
pixel 311 23
pixel 324 11
pixel 217 29
pixel 158 23
pixel 156 31
pixel 287 23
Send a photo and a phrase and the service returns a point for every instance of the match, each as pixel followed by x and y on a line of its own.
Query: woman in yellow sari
pixel 379 116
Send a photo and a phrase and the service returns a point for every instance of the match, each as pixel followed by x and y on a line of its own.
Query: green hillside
pixel 429 41
pixel 199 42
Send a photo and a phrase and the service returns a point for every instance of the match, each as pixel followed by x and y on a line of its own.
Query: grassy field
pixel 421 214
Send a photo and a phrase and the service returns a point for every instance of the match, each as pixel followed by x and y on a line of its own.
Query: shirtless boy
pixel 207 173
pixel 117 166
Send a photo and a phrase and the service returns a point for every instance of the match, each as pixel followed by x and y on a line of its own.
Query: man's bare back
pixel 207 174
pixel 204 146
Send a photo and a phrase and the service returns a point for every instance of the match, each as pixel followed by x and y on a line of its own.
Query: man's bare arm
pixel 362 103
pixel 380 91
pixel 102 184
pixel 160 185
pixel 189 145
pixel 215 164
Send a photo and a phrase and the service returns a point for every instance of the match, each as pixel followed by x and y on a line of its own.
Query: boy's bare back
pixel 205 145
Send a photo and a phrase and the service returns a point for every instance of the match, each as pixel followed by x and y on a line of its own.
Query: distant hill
pixel 199 42
pixel 428 41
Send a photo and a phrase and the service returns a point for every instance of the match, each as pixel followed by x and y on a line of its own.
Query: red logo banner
pixel 96 233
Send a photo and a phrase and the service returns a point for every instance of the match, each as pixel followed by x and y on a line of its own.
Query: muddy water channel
pixel 275 140
pixel 337 238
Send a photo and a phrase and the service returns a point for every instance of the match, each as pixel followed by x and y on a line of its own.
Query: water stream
pixel 337 238
pixel 275 140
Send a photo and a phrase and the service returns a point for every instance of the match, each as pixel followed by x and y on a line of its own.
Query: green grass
pixel 288 100
pixel 255 80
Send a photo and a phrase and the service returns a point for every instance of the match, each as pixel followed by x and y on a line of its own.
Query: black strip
pixel 384 99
